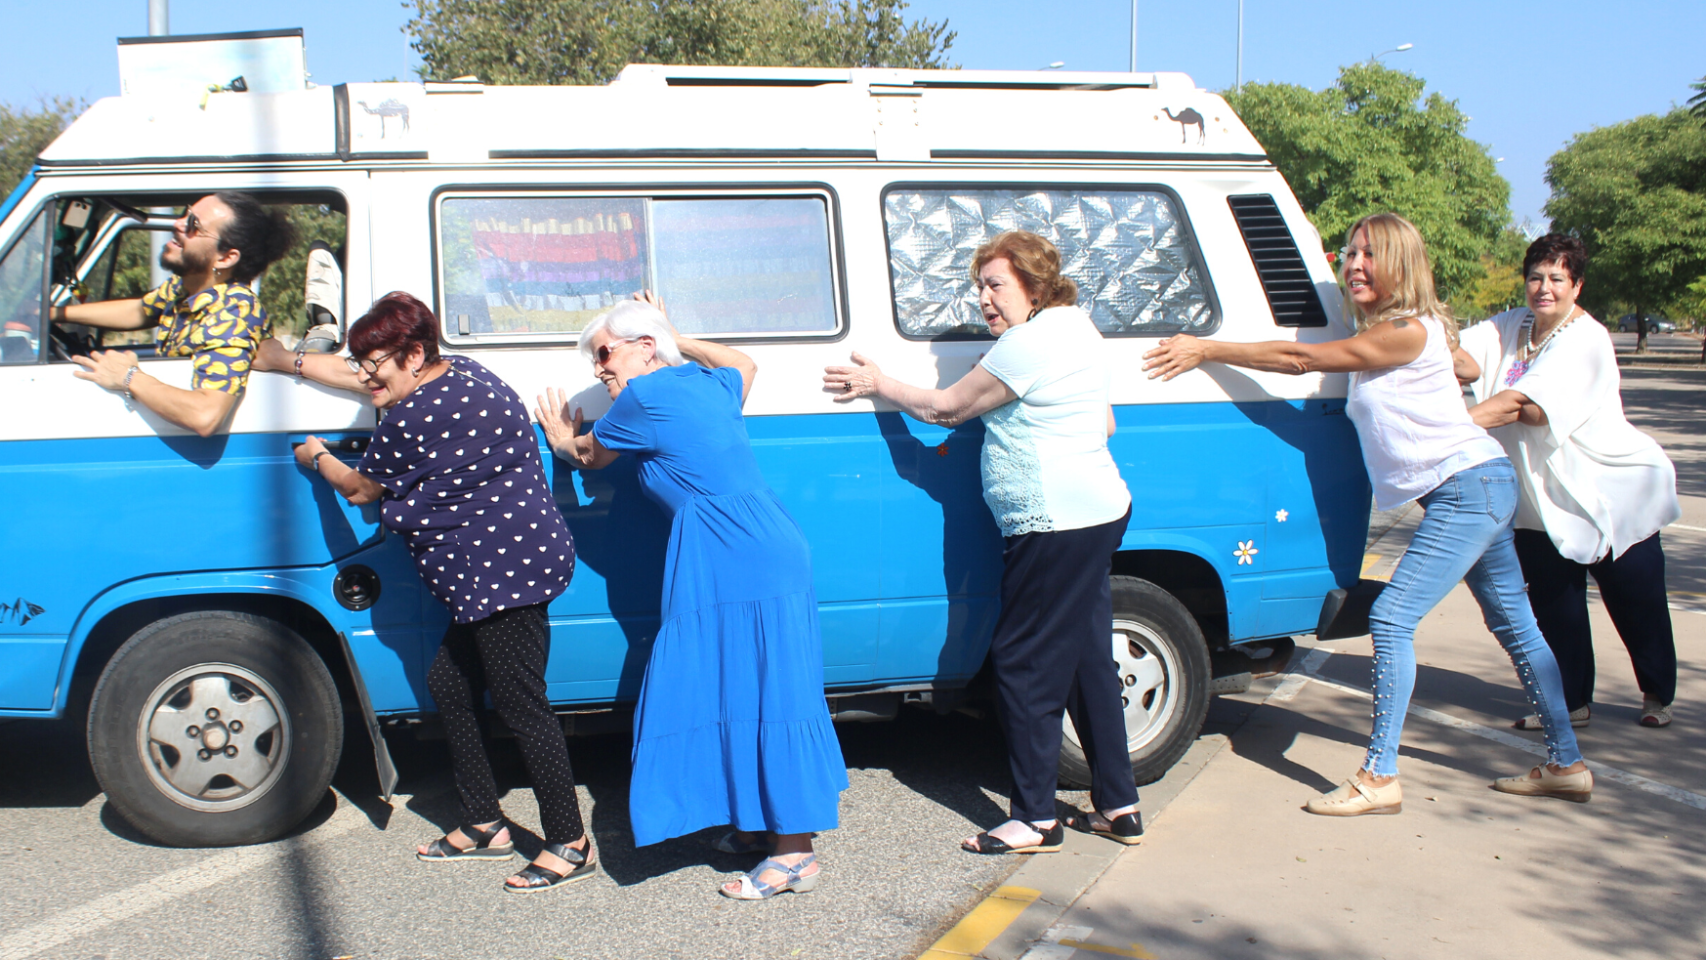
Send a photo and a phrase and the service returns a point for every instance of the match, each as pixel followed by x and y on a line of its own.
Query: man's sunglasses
pixel 193 227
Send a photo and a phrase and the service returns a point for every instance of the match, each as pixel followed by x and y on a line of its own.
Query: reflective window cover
pixel 1136 268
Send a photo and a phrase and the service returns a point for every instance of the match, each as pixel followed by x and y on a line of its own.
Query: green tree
pixel 25 133
pixel 589 41
pixel 1697 103
pixel 1500 286
pixel 1635 193
pixel 1371 143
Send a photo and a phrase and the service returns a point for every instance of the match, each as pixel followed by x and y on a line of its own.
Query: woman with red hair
pixel 1055 491
pixel 454 464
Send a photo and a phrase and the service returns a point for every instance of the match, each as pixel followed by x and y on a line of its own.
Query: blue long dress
pixel 731 726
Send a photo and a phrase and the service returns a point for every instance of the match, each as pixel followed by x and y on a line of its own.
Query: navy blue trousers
pixel 1052 654
pixel 1633 590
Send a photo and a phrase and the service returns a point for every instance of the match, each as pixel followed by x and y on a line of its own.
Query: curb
pixel 1010 920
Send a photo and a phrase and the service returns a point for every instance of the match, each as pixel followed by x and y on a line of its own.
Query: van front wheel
pixel 1164 671
pixel 214 729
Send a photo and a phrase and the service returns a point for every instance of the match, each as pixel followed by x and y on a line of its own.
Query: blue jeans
pixel 1466 535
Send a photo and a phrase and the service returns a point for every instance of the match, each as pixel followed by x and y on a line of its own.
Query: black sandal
pixel 1127 828
pixel 539 879
pixel 1053 837
pixel 442 849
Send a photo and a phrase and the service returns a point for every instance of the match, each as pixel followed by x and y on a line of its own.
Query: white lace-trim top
pixel 1045 462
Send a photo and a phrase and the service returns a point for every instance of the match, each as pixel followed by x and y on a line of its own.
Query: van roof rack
pixel 689 76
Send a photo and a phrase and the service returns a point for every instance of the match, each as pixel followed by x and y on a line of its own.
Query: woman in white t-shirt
pixel 1595 490
pixel 1042 391
pixel 1418 443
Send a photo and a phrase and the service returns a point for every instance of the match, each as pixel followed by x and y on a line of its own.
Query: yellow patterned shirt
pixel 220 327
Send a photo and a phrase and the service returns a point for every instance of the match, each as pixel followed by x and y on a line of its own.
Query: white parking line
pixel 68 925
pixel 1680 526
pixel 1300 675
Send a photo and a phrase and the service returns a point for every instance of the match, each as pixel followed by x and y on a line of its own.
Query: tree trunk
pixel 1640 329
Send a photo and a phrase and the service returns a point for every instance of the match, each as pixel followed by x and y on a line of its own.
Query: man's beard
pixel 185 263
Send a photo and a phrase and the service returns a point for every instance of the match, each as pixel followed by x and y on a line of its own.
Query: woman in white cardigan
pixel 1595 491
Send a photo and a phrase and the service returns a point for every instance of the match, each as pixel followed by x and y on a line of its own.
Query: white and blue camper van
pixel 152 577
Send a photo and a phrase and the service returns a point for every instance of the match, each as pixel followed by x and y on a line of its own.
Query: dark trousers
pixel 504 653
pixel 1051 653
pixel 1633 589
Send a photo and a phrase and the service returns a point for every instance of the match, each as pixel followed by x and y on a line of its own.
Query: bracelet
pixel 301 351
pixel 125 386
pixel 316 460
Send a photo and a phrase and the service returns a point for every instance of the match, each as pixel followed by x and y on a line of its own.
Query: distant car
pixel 1654 324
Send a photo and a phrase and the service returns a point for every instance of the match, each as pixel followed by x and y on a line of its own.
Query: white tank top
pixel 1414 427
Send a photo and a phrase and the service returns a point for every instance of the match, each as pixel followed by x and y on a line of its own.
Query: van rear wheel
pixel 1164 669
pixel 215 729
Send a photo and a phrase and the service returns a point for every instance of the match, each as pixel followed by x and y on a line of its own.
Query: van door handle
pixel 345 445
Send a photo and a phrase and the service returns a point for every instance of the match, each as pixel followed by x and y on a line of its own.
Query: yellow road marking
pixel 1369 560
pixel 983 924
pixel 1135 951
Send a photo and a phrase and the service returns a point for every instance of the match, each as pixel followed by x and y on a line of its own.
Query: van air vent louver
pixel 1285 279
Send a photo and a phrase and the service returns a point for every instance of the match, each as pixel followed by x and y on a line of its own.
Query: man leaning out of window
pixel 207 311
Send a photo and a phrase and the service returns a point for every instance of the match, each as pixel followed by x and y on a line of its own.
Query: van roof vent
pixel 1285 277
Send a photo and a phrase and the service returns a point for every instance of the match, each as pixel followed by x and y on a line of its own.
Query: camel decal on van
pixel 1186 118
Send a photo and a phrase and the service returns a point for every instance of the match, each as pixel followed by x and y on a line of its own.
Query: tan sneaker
pixel 1654 713
pixel 1353 798
pixel 1542 782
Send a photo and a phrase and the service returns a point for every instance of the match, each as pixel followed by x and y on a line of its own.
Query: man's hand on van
pixel 106 367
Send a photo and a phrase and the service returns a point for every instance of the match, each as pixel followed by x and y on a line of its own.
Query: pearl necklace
pixel 1531 349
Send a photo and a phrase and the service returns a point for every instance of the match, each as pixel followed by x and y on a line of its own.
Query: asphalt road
pixel 77 882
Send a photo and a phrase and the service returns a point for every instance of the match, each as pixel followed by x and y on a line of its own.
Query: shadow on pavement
pixel 1665 404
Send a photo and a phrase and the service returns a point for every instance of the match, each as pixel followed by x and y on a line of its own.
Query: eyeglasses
pixel 603 353
pixel 369 367
pixel 193 227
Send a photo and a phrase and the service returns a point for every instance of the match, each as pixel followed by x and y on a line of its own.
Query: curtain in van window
pixel 1130 252
pixel 754 266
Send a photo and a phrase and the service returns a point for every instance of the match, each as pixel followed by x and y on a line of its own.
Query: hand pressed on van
pixel 973 395
pixel 562 426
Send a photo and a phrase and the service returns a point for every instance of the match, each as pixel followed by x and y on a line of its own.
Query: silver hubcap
pixel 1146 670
pixel 213 737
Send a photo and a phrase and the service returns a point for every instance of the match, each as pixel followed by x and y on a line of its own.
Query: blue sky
pixel 1530 75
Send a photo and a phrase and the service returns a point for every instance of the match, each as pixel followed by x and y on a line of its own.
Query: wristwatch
pixel 316 460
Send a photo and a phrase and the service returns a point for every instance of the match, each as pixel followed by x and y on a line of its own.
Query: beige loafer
pixel 1654 713
pixel 1353 798
pixel 1542 782
pixel 1579 718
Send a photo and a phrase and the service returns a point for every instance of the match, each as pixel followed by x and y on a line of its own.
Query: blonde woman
pixel 1418 443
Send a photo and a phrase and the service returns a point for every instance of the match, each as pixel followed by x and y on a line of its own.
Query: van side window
pixel 20 294
pixel 1131 252
pixel 542 267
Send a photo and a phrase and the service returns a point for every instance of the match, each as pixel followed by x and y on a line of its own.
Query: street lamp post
pixel 1133 36
pixel 1238 74
pixel 1400 48
pixel 158 26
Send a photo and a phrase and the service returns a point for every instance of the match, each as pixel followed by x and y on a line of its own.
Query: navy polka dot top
pixel 460 462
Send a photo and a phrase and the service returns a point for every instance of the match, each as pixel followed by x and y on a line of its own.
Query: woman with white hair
pixel 754 747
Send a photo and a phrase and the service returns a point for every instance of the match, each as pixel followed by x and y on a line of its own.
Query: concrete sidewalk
pixel 1232 868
